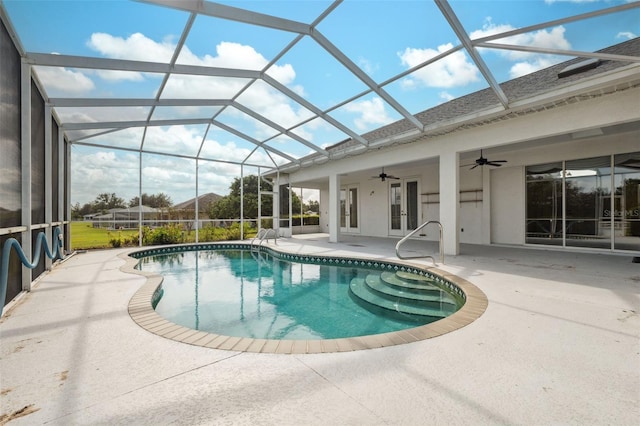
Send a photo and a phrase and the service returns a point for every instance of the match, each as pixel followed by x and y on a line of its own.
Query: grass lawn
pixel 85 236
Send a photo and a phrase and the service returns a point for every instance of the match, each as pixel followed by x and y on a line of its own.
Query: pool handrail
pixel 264 234
pixel 415 231
pixel 6 252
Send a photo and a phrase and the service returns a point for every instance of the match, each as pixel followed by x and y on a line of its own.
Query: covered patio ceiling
pixel 281 81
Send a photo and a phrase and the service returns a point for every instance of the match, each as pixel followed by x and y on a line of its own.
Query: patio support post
pixel 275 207
pixel 26 170
pixel 197 205
pixel 48 175
pixel 67 190
pixel 140 199
pixel 242 202
pixel 449 201
pixel 61 182
pixel 334 208
pixel 486 206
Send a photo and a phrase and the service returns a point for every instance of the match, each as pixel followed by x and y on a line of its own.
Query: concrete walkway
pixel 558 344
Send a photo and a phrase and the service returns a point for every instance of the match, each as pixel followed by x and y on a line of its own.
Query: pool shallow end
pixel 142 312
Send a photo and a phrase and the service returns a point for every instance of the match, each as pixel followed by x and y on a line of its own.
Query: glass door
pixel 591 202
pixel 404 206
pixel 349 211
pixel 626 209
pixel 587 203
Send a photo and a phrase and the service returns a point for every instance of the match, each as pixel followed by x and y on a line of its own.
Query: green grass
pixel 85 236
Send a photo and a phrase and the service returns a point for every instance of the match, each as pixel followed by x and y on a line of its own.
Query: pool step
pixel 414 295
pixel 400 280
pixel 434 296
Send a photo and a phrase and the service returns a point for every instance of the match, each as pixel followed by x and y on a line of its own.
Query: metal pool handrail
pixel 264 234
pixel 6 251
pixel 413 233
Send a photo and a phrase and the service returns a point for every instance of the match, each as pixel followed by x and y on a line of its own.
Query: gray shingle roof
pixel 539 82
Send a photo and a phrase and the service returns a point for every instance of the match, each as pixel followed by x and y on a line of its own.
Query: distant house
pixel 89 217
pixel 126 218
pixel 203 203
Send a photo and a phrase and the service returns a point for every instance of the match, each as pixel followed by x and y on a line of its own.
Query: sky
pixel 382 38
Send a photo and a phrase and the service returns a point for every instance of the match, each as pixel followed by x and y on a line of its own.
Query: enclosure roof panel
pixel 286 80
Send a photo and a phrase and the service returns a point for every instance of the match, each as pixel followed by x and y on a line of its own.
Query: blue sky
pixel 383 38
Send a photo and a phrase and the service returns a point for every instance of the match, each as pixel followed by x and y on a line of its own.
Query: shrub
pixel 308 220
pixel 168 234
pixel 232 232
pixel 119 241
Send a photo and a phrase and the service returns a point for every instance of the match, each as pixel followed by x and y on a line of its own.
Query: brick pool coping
pixel 142 313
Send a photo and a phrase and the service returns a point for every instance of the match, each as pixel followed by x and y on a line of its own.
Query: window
pixel 585 203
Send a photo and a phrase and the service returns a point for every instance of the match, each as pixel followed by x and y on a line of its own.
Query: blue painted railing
pixel 12 242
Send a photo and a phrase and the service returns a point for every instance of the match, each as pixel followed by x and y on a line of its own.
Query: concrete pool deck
pixel 559 343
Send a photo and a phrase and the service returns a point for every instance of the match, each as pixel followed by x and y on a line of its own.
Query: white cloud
pixel 105 171
pixel 367 66
pixel 626 34
pixel 94 114
pixel 97 171
pixel 110 75
pixel 228 55
pixel 526 62
pixel 260 97
pixel 136 47
pixel 64 81
pixel 275 106
pixel 445 96
pixel 229 151
pixel 451 71
pixel 182 139
pixel 570 1
pixel 371 112
pixel 524 68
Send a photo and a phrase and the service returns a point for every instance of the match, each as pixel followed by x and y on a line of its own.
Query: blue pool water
pixel 236 292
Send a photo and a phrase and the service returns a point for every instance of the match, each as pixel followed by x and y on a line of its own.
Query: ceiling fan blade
pixel 498 161
pixel 494 164
pixel 474 167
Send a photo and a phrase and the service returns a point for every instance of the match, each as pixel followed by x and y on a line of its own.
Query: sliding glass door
pixel 591 202
pixel 544 204
pixel 626 208
pixel 587 186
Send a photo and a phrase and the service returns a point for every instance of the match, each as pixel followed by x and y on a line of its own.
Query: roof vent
pixel 579 67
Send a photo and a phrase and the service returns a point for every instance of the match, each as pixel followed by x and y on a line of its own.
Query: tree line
pixel 227 207
pixel 107 201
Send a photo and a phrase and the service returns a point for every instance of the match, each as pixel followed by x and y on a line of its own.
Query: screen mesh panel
pixel 37 156
pixel 39 269
pixel 284 206
pixel 14 283
pixel 10 158
pixel 55 215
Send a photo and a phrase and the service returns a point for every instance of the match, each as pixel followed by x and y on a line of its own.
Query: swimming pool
pixel 259 295
pixel 225 296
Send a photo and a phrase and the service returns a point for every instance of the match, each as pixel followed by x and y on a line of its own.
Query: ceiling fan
pixel 485 161
pixel 383 176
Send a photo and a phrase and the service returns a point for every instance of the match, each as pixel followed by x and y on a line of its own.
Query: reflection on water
pixel 249 294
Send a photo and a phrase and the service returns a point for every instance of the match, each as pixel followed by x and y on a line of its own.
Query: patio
pixel 558 344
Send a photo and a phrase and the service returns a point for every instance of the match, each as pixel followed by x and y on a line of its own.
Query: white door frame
pixel 401 226
pixel 350 210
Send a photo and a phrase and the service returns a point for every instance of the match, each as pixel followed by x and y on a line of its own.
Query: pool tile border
pixel 142 312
